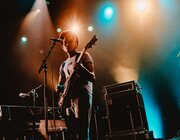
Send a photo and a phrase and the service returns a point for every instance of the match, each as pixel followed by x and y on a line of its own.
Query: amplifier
pixel 125 107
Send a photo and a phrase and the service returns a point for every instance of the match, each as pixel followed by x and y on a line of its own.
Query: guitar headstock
pixel 91 42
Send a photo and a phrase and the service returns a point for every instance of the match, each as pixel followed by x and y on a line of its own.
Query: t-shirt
pixel 67 66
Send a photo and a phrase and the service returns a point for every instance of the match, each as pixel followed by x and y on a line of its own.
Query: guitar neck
pixel 81 54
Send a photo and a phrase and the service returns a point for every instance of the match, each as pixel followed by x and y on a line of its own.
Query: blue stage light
pixel 153 111
pixel 107 17
pixel 108 12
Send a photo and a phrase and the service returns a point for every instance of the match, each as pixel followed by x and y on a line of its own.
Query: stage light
pixel 23 39
pixel 108 12
pixel 75 28
pixel 107 17
pixel 90 28
pixel 58 30
pixel 142 5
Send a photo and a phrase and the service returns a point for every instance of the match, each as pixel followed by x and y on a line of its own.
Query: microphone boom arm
pixel 32 91
pixel 44 61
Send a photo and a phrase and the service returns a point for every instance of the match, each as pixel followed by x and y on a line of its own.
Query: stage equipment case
pixel 126 114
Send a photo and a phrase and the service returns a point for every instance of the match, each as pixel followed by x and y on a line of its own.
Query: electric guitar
pixel 63 99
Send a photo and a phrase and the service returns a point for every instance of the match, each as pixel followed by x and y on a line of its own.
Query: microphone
pixel 23 95
pixel 57 40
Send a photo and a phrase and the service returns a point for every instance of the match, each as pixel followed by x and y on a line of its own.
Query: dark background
pixel 149 54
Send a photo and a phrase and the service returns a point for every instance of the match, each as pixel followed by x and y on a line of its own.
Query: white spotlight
pixel 90 28
pixel 75 28
pixel 23 39
pixel 58 30
pixel 142 5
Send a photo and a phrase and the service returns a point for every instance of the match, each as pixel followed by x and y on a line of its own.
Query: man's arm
pixel 60 85
pixel 85 71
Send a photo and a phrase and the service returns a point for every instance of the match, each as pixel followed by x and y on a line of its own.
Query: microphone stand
pixel 35 95
pixel 44 67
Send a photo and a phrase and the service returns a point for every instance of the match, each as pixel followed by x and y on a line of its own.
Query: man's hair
pixel 69 35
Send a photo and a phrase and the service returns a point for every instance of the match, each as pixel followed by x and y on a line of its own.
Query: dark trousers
pixel 78 117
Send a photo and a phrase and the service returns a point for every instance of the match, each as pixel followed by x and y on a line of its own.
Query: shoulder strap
pixel 77 55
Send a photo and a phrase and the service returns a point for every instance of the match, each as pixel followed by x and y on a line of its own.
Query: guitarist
pixel 80 87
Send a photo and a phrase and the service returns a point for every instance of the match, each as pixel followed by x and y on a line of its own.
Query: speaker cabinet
pixel 125 108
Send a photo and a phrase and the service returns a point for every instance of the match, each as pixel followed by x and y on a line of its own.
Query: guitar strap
pixel 77 55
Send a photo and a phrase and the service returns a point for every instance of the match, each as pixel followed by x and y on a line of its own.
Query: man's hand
pixel 77 66
pixel 60 88
pixel 60 102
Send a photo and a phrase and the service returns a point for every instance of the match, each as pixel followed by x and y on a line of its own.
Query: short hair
pixel 69 35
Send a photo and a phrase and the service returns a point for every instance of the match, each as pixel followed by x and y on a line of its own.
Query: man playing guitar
pixel 76 77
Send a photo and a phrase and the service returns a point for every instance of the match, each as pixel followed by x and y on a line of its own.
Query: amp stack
pixel 126 114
